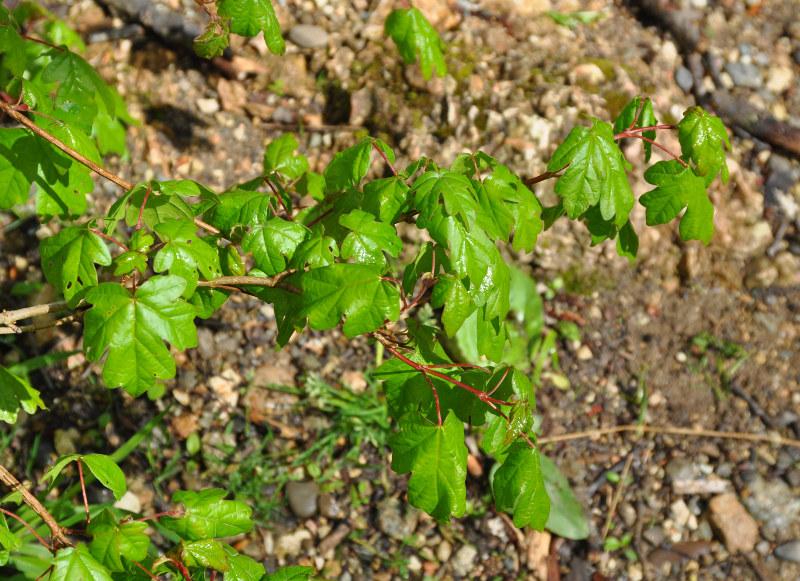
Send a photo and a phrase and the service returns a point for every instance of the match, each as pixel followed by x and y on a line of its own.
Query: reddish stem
pixel 318 218
pixel 472 365
pixel 280 199
pixel 29 527
pixel 385 158
pixel 160 514
pixel 40 41
pixel 47 572
pixel 630 132
pixel 110 239
pixel 661 147
pixel 545 176
pixel 435 397
pixel 182 569
pixel 143 568
pixel 477 171
pixel 499 383
pixel 141 210
pixel 83 489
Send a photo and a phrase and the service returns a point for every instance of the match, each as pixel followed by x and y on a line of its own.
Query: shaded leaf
pixel 414 35
pixel 566 513
pixel 250 16
pixel 16 393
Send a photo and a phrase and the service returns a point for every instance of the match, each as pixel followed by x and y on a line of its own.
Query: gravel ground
pixel 709 334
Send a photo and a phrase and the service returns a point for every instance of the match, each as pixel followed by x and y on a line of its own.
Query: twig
pixel 12 329
pixel 58 533
pixel 673 431
pixel 617 494
pixel 17 116
pixel 35 311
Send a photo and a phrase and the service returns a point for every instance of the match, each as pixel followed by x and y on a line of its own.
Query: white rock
pixel 464 560
pixel 129 502
pixel 291 545
pixel 208 106
pixel 780 78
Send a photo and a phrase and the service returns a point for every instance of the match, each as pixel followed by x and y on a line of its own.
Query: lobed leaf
pixel 133 329
pixel 566 513
pixel 111 541
pixel 627 119
pixel 454 189
pixel 184 254
pixel 77 564
pixel 678 187
pixel 279 158
pixel 437 458
pixel 248 17
pixel 241 567
pixel 207 516
pixel 205 553
pixel 69 258
pixel 368 239
pixel 596 173
pixel 273 243
pixel 413 34
pixel 518 486
pixel 354 290
pixel 702 137
pixel 349 167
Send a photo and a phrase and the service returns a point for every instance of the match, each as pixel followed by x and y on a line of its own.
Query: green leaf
pixel 453 188
pixel 184 254
pixel 12 50
pixel 279 158
pixel 208 300
pixel 77 564
pixel 296 573
pixel 107 473
pixel 566 513
pixel 348 167
pixel 287 306
pixel 369 239
pixel 354 290
pixel 519 487
pixel 79 86
pixel 451 293
pixel 311 184
pixel 59 465
pixel 111 540
pixel 133 329
pixel 8 540
pixel 273 243
pixel 250 16
pixel 426 265
pixel 213 41
pixel 16 393
pixel 158 208
pixel 627 242
pixel 596 173
pixel 386 198
pixel 207 516
pixel 315 251
pixel 205 553
pixel 678 188
pixel 17 183
pixel 437 458
pixel 702 137
pixel 242 567
pixel 413 34
pixel 237 210
pixel 494 216
pixel 626 118
pixel 69 258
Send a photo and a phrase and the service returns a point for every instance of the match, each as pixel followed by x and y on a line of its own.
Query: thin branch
pixel 661 147
pixel 545 176
pixel 270 281
pixel 83 489
pixel 110 239
pixel 207 227
pixel 631 132
pixel 19 117
pixel 12 329
pixel 280 199
pixel 778 440
pixel 57 532
pixel 435 397
pixel 36 311
pixel 27 526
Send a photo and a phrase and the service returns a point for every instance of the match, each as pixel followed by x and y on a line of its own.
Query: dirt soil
pixel 690 336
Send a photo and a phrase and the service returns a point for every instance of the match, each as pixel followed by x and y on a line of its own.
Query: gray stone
pixel 744 75
pixel 329 507
pixel 393 522
pixel 789 551
pixel 308 36
pixel 464 560
pixel 773 504
pixel 684 79
pixel 302 498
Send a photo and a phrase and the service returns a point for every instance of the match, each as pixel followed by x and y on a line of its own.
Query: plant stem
pixel 545 176
pixel 27 526
pixel 56 531
pixel 383 155
pixel 19 117
pixel 83 490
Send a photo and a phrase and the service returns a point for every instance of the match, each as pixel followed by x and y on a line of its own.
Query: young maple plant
pixel 176 249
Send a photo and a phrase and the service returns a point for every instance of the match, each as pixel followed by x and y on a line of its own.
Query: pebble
pixel 302 498
pixel 789 551
pixel 588 73
pixel 779 79
pixel 584 353
pixel 291 544
pixel 208 106
pixel 744 75
pixel 684 79
pixel 392 521
pixel 329 507
pixel 464 560
pixel 444 551
pixel 65 441
pixel 773 504
pixel 308 36
pixel 130 502
pixel 739 531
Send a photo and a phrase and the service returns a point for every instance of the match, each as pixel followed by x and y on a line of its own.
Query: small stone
pixel 225 389
pixel 496 527
pixel 394 523
pixel 584 353
pixel 680 513
pixel 779 79
pixel 684 79
pixel 789 551
pixel 291 545
pixel 308 36
pixel 129 502
pixel 65 441
pixel 760 273
pixel 739 530
pixel 444 551
pixel 414 564
pixel 329 507
pixel 208 106
pixel 302 498
pixel 464 560
pixel 774 504
pixel 744 75
pixel 588 74
pixel 628 513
